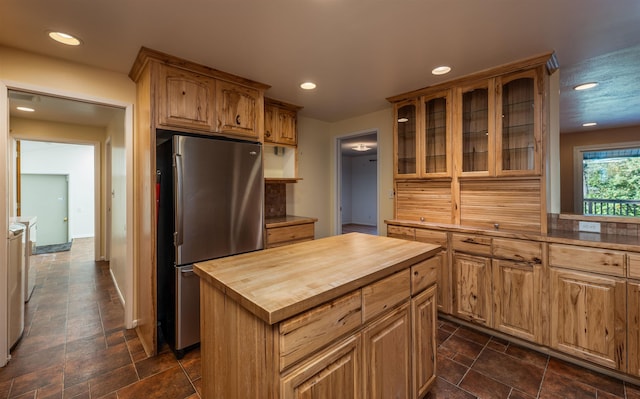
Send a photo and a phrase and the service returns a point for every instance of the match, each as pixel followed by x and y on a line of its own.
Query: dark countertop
pixel 606 241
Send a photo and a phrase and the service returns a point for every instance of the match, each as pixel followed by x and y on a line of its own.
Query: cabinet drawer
pixel 384 294
pixel 310 331
pixel 472 244
pixel 286 234
pixel 588 259
pixel 432 237
pixel 634 265
pixel 518 250
pixel 406 233
pixel 425 274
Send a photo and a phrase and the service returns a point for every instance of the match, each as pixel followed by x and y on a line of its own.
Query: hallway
pixel 75 345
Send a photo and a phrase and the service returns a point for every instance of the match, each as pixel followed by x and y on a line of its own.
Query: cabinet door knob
pixel 267 133
pixel 237 119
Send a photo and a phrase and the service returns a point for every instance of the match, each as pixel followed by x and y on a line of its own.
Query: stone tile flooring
pixel 75 346
pixel 473 364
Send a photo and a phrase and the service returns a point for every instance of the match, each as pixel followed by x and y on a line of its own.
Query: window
pixel 611 181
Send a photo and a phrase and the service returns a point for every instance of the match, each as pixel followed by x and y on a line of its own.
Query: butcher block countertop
pixel 278 283
pixel 288 220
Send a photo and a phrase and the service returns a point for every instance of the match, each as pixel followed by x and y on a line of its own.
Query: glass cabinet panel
pixel 435 143
pixel 406 140
pixel 475 130
pixel 518 130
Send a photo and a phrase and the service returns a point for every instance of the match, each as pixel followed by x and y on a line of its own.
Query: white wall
pixel 28 71
pixel 73 160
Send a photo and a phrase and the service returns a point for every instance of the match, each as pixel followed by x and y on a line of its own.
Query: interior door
pixel 46 196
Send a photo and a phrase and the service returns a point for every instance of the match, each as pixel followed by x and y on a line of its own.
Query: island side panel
pixel 238 350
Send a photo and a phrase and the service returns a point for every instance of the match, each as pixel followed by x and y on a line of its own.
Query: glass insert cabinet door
pixel 477 127
pixel 436 135
pixel 405 139
pixel 518 136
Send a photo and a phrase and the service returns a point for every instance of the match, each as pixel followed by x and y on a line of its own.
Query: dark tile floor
pixel 75 346
pixel 472 364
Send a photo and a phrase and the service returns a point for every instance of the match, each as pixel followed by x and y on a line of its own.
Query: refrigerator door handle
pixel 187 271
pixel 179 203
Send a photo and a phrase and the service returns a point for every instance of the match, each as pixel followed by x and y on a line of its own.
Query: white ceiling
pixel 358 51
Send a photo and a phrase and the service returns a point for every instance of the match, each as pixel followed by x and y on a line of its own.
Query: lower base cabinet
pixel 588 317
pixel 424 313
pixel 472 285
pixel 334 373
pixel 517 299
pixel 633 314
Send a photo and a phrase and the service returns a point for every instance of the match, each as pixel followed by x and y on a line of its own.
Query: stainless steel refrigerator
pixel 210 194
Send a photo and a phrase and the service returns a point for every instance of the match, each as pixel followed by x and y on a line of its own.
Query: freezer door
pixel 219 194
pixel 187 308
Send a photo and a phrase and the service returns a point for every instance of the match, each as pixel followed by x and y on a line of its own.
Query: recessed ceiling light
pixel 403 120
pixel 25 109
pixel 589 124
pixel 441 70
pixel 65 38
pixel 361 147
pixel 308 85
pixel 586 86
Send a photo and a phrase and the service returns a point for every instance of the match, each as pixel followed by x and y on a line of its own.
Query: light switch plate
pixel 592 227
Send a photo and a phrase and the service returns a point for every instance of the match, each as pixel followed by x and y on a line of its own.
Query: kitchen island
pixel 349 316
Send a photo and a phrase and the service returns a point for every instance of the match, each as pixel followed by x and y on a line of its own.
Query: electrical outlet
pixel 592 227
pixel 390 194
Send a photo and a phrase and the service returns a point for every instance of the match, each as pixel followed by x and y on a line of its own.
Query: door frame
pixel 8 204
pixel 338 188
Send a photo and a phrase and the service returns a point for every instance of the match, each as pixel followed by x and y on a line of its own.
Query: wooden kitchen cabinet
pixel 517 273
pixel 472 285
pixel 633 327
pixel 239 110
pixel 387 356
pixel 588 317
pixel 334 373
pixel 280 122
pixel 424 317
pixel 342 326
pixel 517 299
pixel 285 235
pixel 518 124
pixel 477 124
pixel 405 139
pixel 435 145
pixel 185 99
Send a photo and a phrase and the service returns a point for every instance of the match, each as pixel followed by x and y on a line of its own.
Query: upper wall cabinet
pixel 422 136
pixel 484 125
pixel 280 122
pixel 185 99
pixel 518 130
pixel 405 139
pixel 194 98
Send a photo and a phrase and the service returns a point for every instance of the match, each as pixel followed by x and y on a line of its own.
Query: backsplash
pixel 275 200
pixel 556 222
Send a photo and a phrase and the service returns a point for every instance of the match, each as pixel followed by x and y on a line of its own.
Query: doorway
pixel 47 198
pixel 357 193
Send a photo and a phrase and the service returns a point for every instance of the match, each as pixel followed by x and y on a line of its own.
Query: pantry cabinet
pixel 458 142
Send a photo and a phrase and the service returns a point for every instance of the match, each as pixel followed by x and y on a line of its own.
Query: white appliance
pixel 31 228
pixel 16 283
